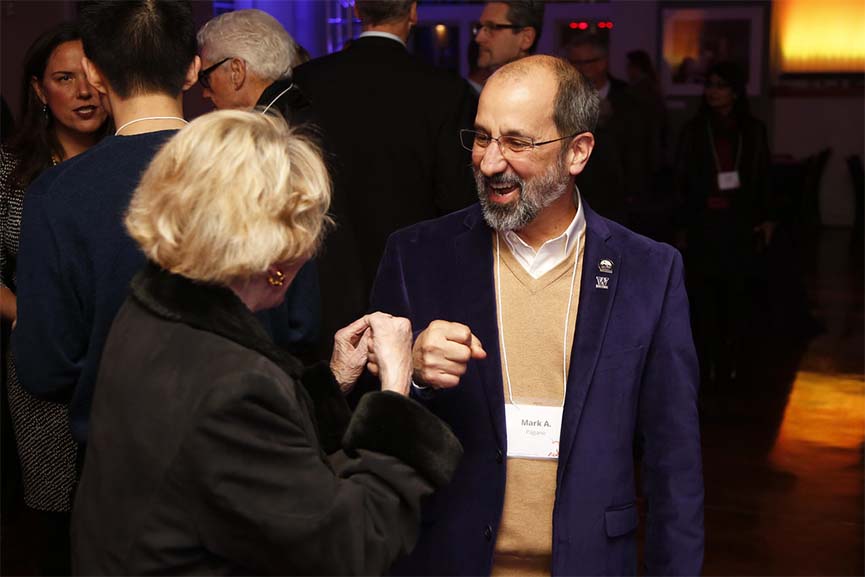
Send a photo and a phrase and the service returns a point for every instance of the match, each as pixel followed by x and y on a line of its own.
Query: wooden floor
pixel 783 448
pixel 783 445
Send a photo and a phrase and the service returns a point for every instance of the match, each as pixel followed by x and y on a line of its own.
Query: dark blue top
pixel 74 268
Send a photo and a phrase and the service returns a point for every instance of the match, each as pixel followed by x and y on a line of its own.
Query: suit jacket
pixel 632 382
pixel 207 451
pixel 390 126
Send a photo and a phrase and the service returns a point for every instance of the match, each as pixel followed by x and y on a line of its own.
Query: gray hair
pixel 254 36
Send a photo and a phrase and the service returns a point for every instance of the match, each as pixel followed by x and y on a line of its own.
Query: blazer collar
pixel 207 307
pixel 597 294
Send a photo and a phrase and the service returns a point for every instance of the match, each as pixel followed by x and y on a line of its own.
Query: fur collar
pixel 207 307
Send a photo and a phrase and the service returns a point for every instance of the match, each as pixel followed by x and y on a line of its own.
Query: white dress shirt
pixel 552 252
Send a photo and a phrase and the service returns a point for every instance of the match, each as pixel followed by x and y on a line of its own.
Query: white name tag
pixel 728 180
pixel 533 431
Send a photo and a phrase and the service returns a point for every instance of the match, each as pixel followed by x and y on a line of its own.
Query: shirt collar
pixel 382 35
pixel 568 238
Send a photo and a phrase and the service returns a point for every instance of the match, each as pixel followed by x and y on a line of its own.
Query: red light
pixel 583 25
pixel 602 24
pixel 572 25
pixel 609 24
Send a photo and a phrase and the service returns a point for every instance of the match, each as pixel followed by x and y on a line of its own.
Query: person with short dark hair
pixel 507 31
pixel 76 260
pixel 389 124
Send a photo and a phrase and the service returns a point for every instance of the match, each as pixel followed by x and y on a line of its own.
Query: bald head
pixel 575 102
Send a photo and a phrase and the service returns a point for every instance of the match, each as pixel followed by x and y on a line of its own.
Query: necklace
pixel 278 96
pixel 117 132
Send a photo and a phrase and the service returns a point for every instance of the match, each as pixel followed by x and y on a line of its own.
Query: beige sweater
pixel 533 317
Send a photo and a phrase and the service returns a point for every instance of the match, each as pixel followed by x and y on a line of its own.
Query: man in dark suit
pixel 390 127
pixel 556 344
pixel 619 172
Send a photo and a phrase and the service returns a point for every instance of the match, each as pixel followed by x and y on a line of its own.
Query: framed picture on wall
pixel 693 38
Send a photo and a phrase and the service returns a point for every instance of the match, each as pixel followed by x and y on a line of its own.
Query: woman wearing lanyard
pixel 722 182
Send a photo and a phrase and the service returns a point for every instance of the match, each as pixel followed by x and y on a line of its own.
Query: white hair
pixel 254 36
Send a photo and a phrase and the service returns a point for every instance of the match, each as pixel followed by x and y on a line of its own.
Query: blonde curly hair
pixel 230 195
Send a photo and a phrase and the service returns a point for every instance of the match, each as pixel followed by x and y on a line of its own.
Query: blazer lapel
pixel 597 292
pixel 475 265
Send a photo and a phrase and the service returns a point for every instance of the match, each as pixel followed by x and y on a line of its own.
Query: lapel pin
pixel 602 282
pixel 606 265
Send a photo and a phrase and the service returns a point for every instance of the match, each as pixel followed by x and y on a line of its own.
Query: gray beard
pixel 535 195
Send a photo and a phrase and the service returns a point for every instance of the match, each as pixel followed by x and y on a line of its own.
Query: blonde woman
pixel 208 447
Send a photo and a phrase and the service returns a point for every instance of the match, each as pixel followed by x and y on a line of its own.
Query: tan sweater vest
pixel 533 318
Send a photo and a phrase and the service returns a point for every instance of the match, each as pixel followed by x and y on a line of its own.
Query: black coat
pixel 618 169
pixel 205 456
pixel 390 127
pixel 721 242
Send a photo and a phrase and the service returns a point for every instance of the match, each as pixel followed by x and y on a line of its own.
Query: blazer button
pixel 499 456
pixel 488 532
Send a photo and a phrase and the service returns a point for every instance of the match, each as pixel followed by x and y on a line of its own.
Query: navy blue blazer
pixel 632 388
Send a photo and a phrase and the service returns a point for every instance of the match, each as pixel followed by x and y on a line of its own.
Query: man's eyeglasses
pixel 473 140
pixel 490 27
pixel 204 75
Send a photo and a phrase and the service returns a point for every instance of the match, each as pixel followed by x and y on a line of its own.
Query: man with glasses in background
pixel 508 31
pixel 557 346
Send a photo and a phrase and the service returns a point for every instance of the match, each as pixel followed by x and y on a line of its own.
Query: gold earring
pixel 276 279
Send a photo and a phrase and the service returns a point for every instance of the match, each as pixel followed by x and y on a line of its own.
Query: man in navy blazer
pixel 627 391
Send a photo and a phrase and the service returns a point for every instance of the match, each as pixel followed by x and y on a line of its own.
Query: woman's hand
pixel 390 351
pixel 349 356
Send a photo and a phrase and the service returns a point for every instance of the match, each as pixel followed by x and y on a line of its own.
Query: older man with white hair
pixel 247 58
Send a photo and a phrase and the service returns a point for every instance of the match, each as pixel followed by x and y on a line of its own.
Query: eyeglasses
pixel 473 140
pixel 204 75
pixel 490 27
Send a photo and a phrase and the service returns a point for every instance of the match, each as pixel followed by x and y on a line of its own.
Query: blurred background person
pixel 645 89
pixel 61 117
pixel 617 176
pixel 652 215
pixel 247 59
pixel 208 443
pixel 721 178
pixel 507 31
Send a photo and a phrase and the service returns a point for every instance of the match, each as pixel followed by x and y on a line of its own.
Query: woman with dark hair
pixel 721 178
pixel 61 118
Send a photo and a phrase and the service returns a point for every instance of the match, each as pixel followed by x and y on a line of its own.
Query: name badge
pixel 728 180
pixel 533 431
